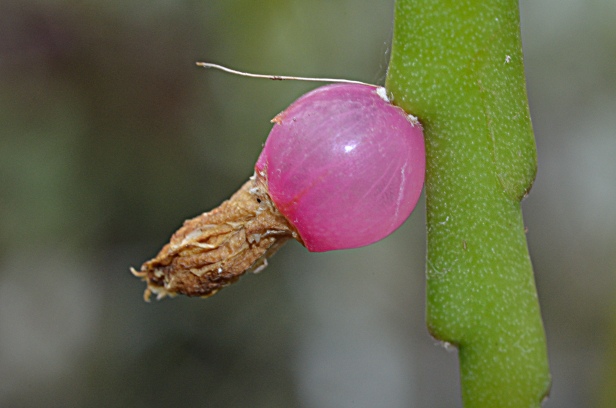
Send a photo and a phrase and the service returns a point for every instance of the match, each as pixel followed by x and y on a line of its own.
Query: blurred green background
pixel 110 137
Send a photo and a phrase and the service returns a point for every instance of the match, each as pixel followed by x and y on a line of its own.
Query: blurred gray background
pixel 110 137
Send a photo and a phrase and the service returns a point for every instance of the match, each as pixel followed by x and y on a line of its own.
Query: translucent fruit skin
pixel 344 166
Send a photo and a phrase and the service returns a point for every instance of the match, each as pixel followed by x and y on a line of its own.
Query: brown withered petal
pixel 214 249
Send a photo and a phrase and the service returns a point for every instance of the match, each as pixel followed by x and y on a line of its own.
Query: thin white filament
pixel 279 77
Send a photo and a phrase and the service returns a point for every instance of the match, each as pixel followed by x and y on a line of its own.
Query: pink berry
pixel 344 166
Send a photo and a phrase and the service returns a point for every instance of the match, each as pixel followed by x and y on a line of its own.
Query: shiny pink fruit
pixel 344 166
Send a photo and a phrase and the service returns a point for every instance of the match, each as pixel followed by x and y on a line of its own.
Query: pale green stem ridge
pixel 457 65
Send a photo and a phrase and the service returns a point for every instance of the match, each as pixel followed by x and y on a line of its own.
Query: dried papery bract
pixel 214 249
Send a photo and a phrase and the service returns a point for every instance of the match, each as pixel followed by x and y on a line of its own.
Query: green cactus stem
pixel 457 65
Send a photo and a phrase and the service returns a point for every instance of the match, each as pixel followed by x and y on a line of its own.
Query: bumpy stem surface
pixel 457 65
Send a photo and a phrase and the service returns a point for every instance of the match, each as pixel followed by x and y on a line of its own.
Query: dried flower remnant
pixel 214 249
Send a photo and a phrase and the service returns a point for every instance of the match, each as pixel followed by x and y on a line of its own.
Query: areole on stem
pixel 341 168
